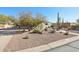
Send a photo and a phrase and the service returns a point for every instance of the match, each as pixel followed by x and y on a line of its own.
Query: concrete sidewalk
pixel 4 41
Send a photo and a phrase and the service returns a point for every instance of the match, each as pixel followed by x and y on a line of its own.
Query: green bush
pixel 37 31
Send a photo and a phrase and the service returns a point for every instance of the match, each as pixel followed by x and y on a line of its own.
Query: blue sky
pixel 68 13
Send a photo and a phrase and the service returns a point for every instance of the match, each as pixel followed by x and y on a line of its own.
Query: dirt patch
pixel 18 43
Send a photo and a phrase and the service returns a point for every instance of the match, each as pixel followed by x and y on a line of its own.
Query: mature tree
pixel 36 22
pixel 25 15
pixel 25 19
pixel 41 17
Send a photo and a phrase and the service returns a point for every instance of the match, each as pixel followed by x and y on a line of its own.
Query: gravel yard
pixel 18 43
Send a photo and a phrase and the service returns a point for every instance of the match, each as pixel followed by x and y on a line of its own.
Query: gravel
pixel 18 43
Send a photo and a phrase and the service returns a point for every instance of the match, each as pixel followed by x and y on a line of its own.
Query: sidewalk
pixel 4 41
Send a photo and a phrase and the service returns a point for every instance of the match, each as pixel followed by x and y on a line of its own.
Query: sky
pixel 69 14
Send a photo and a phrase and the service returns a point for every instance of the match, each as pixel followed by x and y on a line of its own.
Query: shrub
pixel 66 33
pixel 37 31
pixel 46 29
pixel 60 31
pixel 26 37
pixel 75 27
pixel 52 31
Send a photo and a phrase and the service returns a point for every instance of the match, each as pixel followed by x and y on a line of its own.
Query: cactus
pixel 58 21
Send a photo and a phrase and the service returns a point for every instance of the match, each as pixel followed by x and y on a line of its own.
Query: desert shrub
pixel 66 33
pixel 52 26
pixel 52 31
pixel 60 31
pixel 26 37
pixel 37 31
pixel 45 29
pixel 75 27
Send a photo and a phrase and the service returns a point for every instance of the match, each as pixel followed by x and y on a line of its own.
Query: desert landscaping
pixel 29 31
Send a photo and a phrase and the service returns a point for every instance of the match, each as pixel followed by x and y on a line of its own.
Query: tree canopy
pixel 27 20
